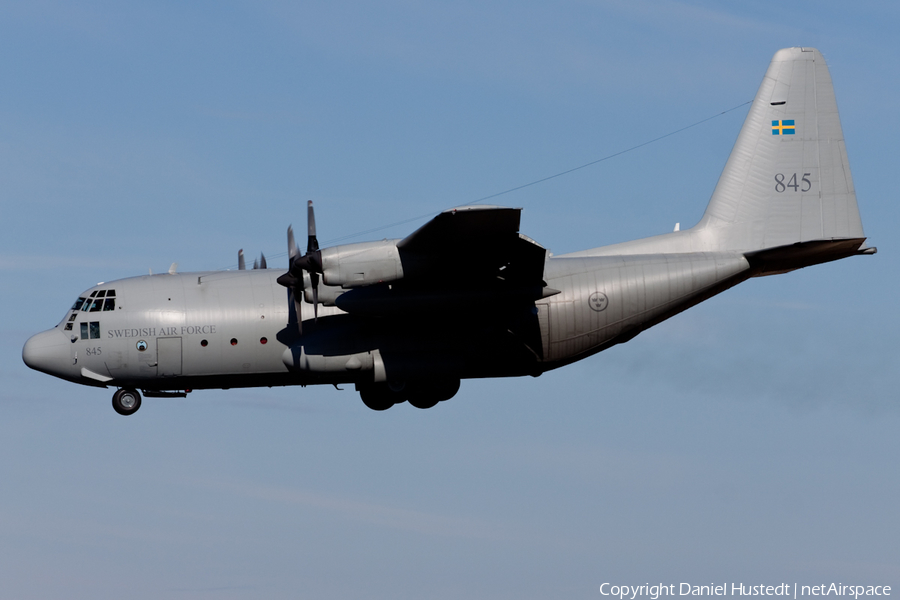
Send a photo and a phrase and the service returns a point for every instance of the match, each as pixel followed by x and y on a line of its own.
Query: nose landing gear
pixel 126 401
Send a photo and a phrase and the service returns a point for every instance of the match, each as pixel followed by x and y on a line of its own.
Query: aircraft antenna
pixel 535 182
pixel 549 177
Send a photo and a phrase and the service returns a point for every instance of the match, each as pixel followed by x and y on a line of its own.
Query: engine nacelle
pixel 353 265
pixel 328 294
pixel 296 358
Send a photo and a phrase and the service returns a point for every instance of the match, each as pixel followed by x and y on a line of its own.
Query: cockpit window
pixel 98 300
pixel 90 330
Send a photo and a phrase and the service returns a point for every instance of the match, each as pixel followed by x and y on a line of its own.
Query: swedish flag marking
pixel 785 127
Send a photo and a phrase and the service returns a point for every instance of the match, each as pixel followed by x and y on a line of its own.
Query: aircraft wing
pixel 484 226
pixel 469 257
pixel 473 242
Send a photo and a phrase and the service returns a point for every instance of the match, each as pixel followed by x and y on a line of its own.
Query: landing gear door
pixel 168 356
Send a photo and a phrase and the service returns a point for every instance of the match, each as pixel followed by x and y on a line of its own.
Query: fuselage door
pixel 168 356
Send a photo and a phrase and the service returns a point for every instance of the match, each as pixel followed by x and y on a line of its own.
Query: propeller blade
pixel 311 262
pixel 241 265
pixel 292 245
pixel 313 243
pixel 294 301
pixel 262 261
pixel 255 264
pixel 314 279
pixel 313 257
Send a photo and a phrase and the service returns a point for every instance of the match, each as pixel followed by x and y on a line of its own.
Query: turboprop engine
pixel 346 266
pixel 426 271
pixel 361 264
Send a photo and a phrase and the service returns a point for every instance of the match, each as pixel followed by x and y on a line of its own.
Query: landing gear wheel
pixel 446 389
pixel 380 396
pixel 422 397
pixel 425 395
pixel 423 402
pixel 376 397
pixel 126 401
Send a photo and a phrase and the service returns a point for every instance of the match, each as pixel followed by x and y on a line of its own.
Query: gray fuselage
pixel 230 328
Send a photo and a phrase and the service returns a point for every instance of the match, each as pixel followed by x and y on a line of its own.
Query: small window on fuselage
pixel 84 331
pixel 95 330
pixel 110 293
pixel 109 304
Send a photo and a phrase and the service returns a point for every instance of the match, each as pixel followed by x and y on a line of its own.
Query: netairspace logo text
pixel 654 592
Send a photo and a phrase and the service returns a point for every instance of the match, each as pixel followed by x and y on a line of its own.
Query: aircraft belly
pixel 604 300
pixel 346 348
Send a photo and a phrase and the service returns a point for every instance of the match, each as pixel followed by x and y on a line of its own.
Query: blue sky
pixel 750 438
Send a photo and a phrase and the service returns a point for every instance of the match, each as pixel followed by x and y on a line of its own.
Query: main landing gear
pixel 421 394
pixel 126 401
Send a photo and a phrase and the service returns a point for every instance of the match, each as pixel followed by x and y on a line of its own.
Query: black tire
pixel 426 395
pixel 446 389
pixel 378 396
pixel 423 399
pixel 126 401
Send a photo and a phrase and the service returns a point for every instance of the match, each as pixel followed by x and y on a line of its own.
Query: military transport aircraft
pixel 466 295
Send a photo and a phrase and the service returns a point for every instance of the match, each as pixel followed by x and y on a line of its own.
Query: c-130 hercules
pixel 406 320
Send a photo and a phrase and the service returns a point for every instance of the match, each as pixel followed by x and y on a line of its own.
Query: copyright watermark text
pixel 653 592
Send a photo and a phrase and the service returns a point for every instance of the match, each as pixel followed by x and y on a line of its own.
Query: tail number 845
pixel 804 185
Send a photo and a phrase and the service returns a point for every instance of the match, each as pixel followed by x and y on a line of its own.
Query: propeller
pixel 311 262
pixel 259 263
pixel 241 265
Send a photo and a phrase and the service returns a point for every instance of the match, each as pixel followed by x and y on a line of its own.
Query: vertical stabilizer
pixel 787 179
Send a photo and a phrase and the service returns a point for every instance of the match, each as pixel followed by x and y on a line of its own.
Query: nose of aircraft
pixel 47 351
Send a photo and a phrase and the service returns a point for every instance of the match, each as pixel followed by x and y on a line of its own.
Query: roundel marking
pixel 598 301
pixel 141 345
